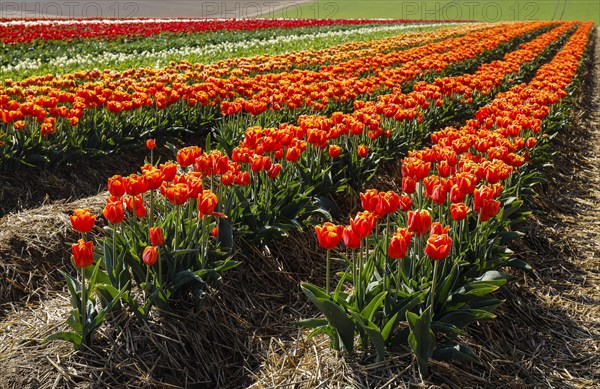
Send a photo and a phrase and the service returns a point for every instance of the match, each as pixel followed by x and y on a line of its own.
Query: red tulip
pixel 388 203
pixel 438 229
pixel 116 186
pixel 329 235
pixel 459 211
pixel 334 151
pixel 113 212
pixel 351 240
pixel 140 210
pixel 207 202
pixel 135 185
pixel 157 237
pixel 419 222
pixel 83 253
pixel 362 151
pixel 438 246
pixel 150 255
pixel 369 200
pixel 363 224
pixel 83 220
pixel 399 243
pixel 169 170
pixel 405 203
pixel 150 144
pixel 177 194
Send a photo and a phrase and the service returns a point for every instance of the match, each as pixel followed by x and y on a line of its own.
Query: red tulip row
pixel 381 117
pixel 25 31
pixel 439 275
pixel 342 82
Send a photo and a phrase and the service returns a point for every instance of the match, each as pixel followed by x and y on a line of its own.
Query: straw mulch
pixel 547 334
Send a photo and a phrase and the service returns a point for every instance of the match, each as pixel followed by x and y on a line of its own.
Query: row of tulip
pixel 172 227
pixel 19 62
pixel 26 31
pixel 422 265
pixel 138 99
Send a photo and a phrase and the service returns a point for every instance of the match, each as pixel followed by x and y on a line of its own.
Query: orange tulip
pixel 363 224
pixel 116 186
pixel 334 151
pixel 329 235
pixel 351 240
pixel 419 222
pixel 150 144
pixel 135 185
pixel 157 237
pixel 459 211
pixel 83 253
pixel 207 202
pixel 83 220
pixel 177 194
pixel 362 151
pixel 150 255
pixel 113 212
pixel 399 243
pixel 438 246
pixel 369 200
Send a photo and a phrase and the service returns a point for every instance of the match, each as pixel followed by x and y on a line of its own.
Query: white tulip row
pixel 163 57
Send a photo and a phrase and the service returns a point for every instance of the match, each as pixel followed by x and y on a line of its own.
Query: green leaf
pixel 455 353
pixel 421 339
pixel 463 317
pixel 519 264
pixel 311 323
pixel 67 336
pixel 373 333
pixel 446 328
pixel 335 315
pixel 372 307
pixel 225 236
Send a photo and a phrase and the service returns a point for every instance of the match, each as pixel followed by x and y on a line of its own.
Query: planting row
pixel 65 120
pixel 19 61
pixel 172 226
pixel 25 31
pixel 422 264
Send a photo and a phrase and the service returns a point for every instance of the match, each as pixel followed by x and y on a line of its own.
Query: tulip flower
pixel 82 220
pixel 459 211
pixel 399 243
pixel 135 185
pixel 207 202
pixel 329 235
pixel 177 194
pixel 362 151
pixel 369 200
pixel 351 240
pixel 157 237
pixel 150 144
pixel 83 253
pixel 419 222
pixel 438 246
pixel 116 186
pixel 334 151
pixel 113 212
pixel 150 255
pixel 388 203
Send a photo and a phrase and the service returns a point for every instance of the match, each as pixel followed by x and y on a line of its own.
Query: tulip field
pixel 360 186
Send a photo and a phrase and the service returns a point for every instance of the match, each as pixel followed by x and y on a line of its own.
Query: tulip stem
pixel 83 306
pixel 433 286
pixel 328 266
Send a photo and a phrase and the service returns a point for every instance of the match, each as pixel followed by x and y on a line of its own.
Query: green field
pixel 489 11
